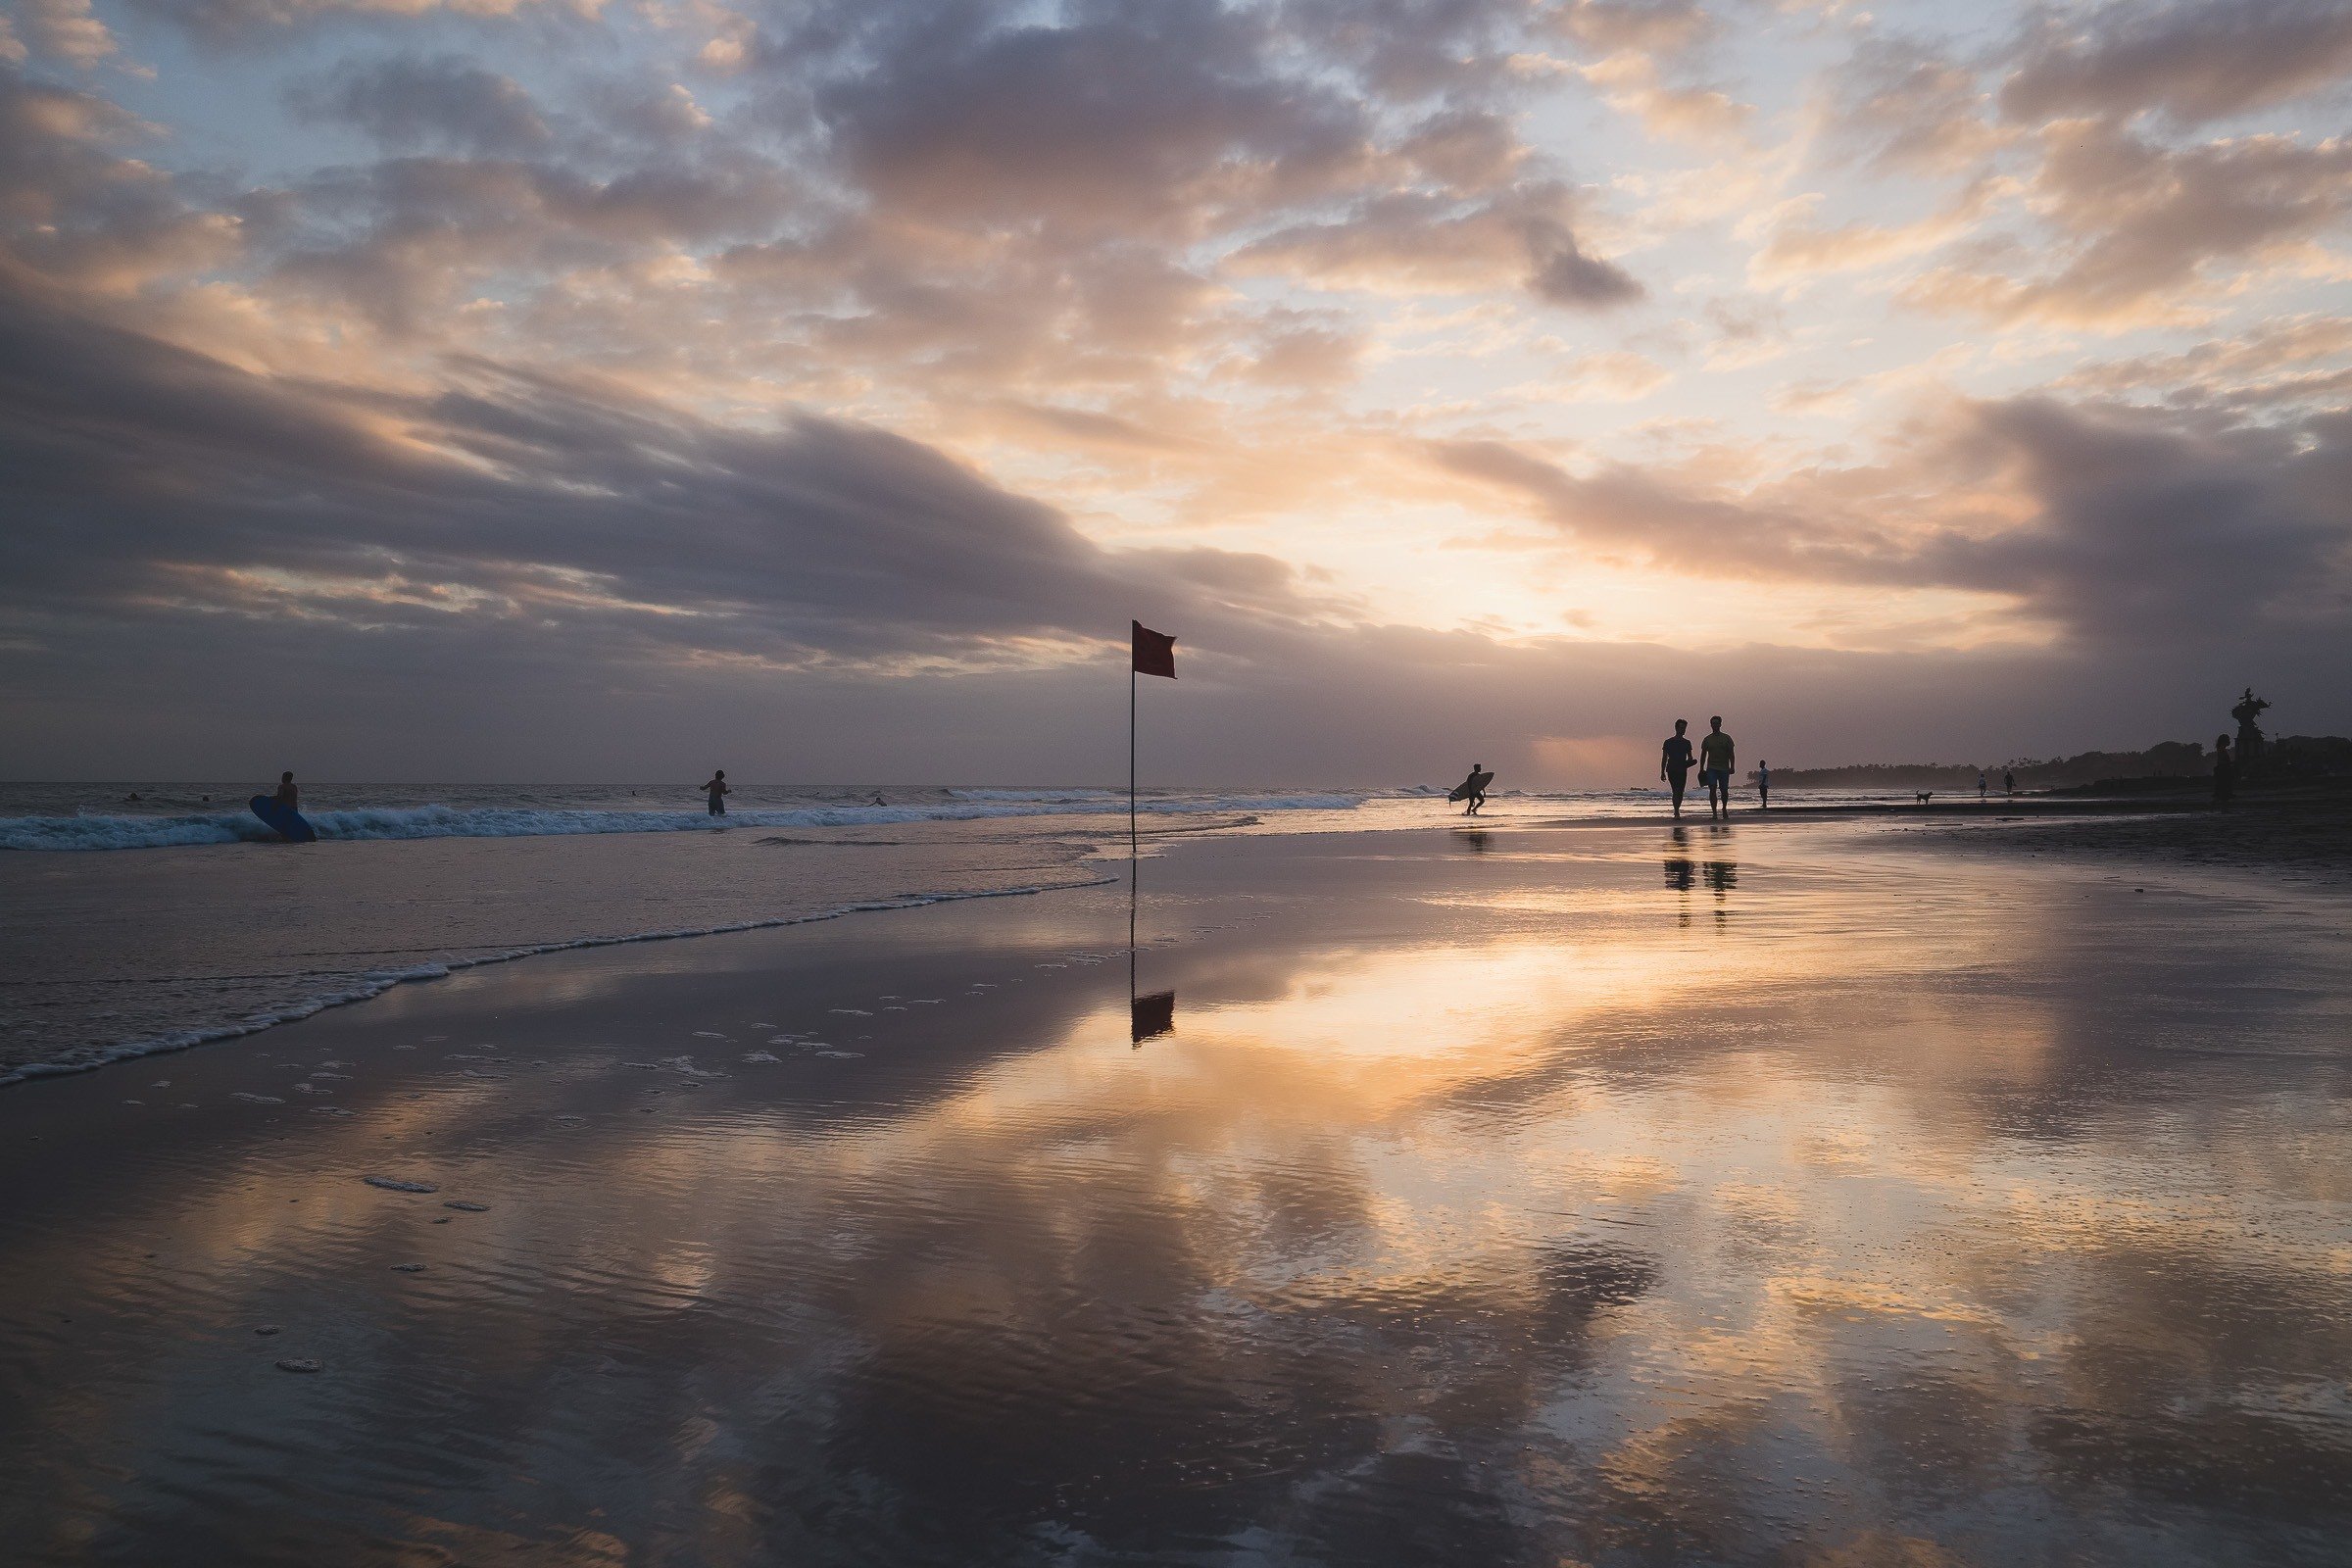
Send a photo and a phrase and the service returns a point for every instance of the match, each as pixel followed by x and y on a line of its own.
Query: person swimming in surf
pixel 718 792
pixel 1674 762
pixel 287 795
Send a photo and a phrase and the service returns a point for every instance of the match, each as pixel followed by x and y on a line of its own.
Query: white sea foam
pixel 434 822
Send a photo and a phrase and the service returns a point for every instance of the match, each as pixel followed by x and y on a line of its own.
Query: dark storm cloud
pixel 2143 525
pixel 144 474
pixel 2192 61
pixel 410 101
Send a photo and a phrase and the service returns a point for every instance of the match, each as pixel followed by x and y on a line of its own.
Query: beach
pixel 1601 1193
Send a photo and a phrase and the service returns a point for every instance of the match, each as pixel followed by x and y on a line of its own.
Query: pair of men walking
pixel 1714 765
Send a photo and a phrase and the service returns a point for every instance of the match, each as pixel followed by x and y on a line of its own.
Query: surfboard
pixel 285 819
pixel 1470 786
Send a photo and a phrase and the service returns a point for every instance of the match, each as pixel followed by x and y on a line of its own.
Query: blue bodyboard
pixel 284 819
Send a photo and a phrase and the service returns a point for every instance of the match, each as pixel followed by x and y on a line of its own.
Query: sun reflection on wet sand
pixel 1498 1208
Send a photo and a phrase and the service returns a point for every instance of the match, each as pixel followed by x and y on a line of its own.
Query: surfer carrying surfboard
pixel 1473 788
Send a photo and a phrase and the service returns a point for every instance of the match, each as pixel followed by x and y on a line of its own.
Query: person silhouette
pixel 2225 772
pixel 1763 785
pixel 2008 782
pixel 287 795
pixel 1473 789
pixel 1674 762
pixel 1715 768
pixel 718 792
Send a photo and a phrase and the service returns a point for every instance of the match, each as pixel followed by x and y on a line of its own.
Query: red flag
pixel 1155 652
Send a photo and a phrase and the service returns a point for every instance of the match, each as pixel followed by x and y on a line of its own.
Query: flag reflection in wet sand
pixel 1822 1201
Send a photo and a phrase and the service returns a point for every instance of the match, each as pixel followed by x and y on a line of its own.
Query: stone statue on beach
pixel 2249 733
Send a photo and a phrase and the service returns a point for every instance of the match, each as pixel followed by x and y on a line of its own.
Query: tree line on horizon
pixel 2293 754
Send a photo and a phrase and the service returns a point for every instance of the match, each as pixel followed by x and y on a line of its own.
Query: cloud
pixel 224 18
pixel 1632 84
pixel 76 208
pixel 2142 230
pixel 1421 243
pixel 1133 118
pixel 2190 61
pixel 67 29
pixel 2120 525
pixel 150 477
pixel 409 102
pixel 1904 107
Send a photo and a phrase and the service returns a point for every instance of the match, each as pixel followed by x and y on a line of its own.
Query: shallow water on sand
pixel 1605 1196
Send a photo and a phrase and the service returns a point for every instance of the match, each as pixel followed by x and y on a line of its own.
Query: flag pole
pixel 1131 760
pixel 1131 840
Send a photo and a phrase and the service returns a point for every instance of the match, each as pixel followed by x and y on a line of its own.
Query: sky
pixel 596 390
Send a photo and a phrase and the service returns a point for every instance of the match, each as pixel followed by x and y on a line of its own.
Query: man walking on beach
pixel 1763 785
pixel 718 792
pixel 1674 762
pixel 1715 768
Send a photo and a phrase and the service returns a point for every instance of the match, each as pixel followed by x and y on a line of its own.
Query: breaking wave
pixel 434 822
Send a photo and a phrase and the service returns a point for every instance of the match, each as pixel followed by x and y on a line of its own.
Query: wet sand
pixel 1599 1194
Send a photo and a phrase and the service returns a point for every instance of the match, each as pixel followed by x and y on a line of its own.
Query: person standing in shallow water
pixel 1763 785
pixel 718 792
pixel 1715 768
pixel 2225 772
pixel 1674 762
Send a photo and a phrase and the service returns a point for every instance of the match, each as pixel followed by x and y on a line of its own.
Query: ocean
pixel 139 917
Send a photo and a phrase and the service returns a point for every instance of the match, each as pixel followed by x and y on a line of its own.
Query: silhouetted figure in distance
pixel 1674 763
pixel 1715 768
pixel 1982 786
pixel 2008 782
pixel 718 792
pixel 2225 772
pixel 1474 787
pixel 2249 734
pixel 1763 785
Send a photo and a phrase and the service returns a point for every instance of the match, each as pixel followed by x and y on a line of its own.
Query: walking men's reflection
pixel 1684 875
